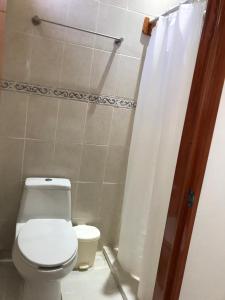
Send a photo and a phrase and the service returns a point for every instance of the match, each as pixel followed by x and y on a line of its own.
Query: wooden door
pixel 194 149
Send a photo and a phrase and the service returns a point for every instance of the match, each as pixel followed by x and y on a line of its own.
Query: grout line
pixel 24 139
pixel 31 52
pixel 96 24
pixel 74 44
pixel 110 127
pixel 83 144
pixel 126 8
pixel 74 201
pixel 56 126
pixel 118 63
pixel 59 100
pixel 27 139
pixel 61 64
pixel 130 56
pixel 113 183
pixel 104 171
pixel 97 182
pixel 12 137
pixel 91 70
pixel 94 49
pixel 66 42
pixel 26 117
pixel 91 144
pixel 74 143
pixel 6 260
pixel 22 162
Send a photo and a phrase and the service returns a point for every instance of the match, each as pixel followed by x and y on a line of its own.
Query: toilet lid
pixel 47 243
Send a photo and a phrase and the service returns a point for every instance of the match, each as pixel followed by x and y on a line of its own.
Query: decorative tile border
pixel 35 89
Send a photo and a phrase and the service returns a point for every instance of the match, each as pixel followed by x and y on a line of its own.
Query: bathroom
pixel 98 98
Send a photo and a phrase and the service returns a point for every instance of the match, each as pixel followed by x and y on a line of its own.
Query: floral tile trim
pixel 66 94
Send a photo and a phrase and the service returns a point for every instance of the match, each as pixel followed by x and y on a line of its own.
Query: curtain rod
pixel 36 20
pixel 171 10
pixel 149 24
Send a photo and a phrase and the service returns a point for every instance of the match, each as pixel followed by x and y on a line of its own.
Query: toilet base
pixel 42 290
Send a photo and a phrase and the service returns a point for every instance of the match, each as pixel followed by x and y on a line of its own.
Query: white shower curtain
pixel 159 119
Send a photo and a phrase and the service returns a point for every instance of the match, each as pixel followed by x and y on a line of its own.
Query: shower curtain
pixel 159 119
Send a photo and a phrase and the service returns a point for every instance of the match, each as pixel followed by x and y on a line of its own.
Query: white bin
pixel 88 237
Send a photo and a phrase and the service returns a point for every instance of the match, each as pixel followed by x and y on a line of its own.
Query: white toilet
pixel 45 247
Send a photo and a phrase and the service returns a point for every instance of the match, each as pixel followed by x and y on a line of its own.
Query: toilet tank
pixel 45 198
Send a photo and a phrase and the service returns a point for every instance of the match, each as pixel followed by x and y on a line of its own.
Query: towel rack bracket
pixel 36 20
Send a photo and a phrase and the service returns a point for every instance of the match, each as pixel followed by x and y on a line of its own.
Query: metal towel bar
pixel 36 20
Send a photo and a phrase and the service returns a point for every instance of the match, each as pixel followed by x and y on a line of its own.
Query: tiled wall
pixel 2 29
pixel 56 56
pixel 87 143
pixel 47 136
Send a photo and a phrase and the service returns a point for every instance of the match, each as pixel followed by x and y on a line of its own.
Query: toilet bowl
pixel 45 246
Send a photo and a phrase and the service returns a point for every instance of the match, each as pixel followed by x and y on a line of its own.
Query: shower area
pixel 85 95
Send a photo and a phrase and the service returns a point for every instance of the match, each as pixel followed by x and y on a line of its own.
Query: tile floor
pixel 128 284
pixel 94 284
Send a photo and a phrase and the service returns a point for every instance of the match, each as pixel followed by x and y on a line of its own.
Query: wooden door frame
pixel 193 154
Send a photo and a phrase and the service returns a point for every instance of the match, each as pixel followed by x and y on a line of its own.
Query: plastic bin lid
pixel 87 232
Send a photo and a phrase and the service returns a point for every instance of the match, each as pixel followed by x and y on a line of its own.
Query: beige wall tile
pixel 144 6
pixel 7 233
pixel 10 175
pixel 111 22
pixel 93 162
pixel 2 39
pixel 128 76
pixel 38 159
pixel 13 107
pixel 134 41
pixel 46 60
pixel 11 153
pixel 116 164
pixel 10 198
pixel 17 56
pixel 71 121
pixel 110 214
pixel 111 74
pixel 51 31
pixel 42 117
pixel 82 14
pixel 67 160
pixel 74 186
pixel 76 67
pixel 103 76
pixel 122 124
pixel 119 3
pixel 151 7
pixel 14 283
pixel 53 10
pixel 98 123
pixel 85 205
pixel 19 15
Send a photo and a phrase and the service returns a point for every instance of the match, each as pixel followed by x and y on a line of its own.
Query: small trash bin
pixel 88 237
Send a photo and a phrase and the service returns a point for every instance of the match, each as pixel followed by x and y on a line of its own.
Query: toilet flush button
pixel 48 179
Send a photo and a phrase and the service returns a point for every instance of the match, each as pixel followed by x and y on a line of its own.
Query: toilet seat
pixel 47 242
